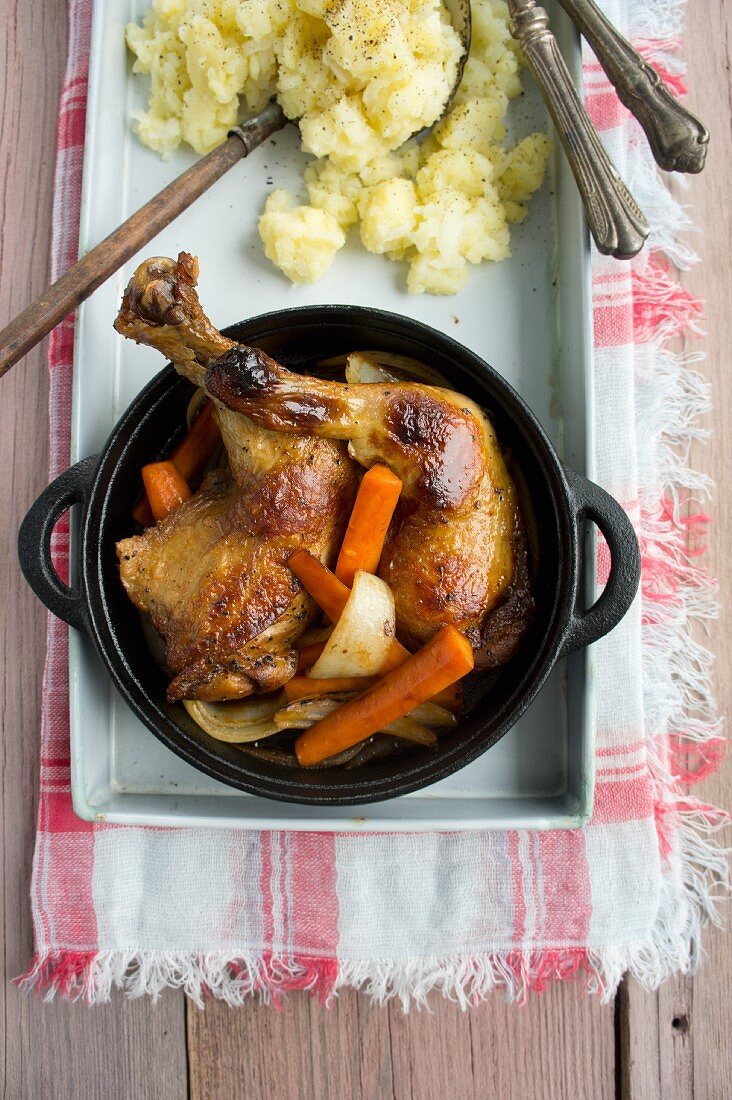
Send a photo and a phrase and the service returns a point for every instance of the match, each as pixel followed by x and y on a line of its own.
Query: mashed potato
pixel 362 76
pixel 300 240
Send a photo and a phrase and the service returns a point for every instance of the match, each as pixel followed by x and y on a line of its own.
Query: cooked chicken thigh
pixel 456 550
pixel 213 576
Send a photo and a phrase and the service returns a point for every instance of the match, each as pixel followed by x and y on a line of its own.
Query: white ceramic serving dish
pixel 530 317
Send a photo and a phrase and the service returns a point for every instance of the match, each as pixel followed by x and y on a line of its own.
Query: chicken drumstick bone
pixel 213 576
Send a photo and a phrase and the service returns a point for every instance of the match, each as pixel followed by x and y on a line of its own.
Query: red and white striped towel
pixel 237 912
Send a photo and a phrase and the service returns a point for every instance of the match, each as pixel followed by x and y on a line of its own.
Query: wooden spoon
pixel 62 298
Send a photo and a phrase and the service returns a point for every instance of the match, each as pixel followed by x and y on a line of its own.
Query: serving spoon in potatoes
pixel 81 280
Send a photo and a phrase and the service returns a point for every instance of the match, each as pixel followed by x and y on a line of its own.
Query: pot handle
pixel 591 502
pixel 34 542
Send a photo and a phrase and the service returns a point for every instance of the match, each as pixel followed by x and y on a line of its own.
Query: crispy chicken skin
pixel 213 576
pixel 456 550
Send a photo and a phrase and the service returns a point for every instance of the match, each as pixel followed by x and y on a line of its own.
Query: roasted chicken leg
pixel 213 576
pixel 456 551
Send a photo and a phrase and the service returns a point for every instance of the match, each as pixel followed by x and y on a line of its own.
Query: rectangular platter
pixel 530 317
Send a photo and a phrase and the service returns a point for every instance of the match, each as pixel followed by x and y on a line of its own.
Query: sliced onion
pixel 340 758
pixel 363 636
pixel 402 368
pixel 406 729
pixel 406 368
pixel 434 717
pixel 376 748
pixel 280 757
pixel 236 723
pixel 284 759
pixel 361 368
pixel 302 713
pixel 334 360
pixel 194 405
pixel 256 719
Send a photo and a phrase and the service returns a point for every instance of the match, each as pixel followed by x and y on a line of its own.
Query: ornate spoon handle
pixel 678 139
pixel 615 220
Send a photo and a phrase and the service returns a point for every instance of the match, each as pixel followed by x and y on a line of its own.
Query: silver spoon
pixel 37 320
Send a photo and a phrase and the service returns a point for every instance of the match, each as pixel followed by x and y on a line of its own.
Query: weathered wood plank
pixel 301 1051
pixel 61 1051
pixel 638 1045
pixel 656 1053
pixel 708 1020
pixel 674 1044
pixel 559 1046
pixel 126 1050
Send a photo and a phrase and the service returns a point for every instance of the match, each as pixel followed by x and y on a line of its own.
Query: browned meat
pixel 213 576
pixel 456 551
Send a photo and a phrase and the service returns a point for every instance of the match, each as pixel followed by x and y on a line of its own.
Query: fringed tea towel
pixel 234 913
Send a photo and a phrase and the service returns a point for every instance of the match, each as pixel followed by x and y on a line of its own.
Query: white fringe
pixel 466 980
pixel 668 218
pixel 656 19
pixel 670 397
pixel 229 977
pixel 679 696
pixel 677 668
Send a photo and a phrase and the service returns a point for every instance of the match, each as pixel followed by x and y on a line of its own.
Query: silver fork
pixel 616 222
pixel 678 139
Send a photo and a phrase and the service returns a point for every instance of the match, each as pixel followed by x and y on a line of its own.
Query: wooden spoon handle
pixel 35 322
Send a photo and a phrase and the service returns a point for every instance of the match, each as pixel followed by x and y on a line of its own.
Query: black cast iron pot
pixel 557 501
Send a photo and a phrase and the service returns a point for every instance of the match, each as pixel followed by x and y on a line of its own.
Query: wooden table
pixel 673 1044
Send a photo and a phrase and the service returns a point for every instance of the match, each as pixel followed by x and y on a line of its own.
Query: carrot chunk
pixel 189 456
pixel 307 687
pixel 329 593
pixel 165 488
pixel 444 659
pixel 198 444
pixel 308 655
pixel 142 512
pixel 373 508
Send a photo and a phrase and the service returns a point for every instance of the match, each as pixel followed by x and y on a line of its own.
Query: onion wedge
pixel 406 729
pixel 361 368
pixel 305 712
pixel 364 634
pixel 236 723
pixel 391 366
pixel 434 717
pixel 194 405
